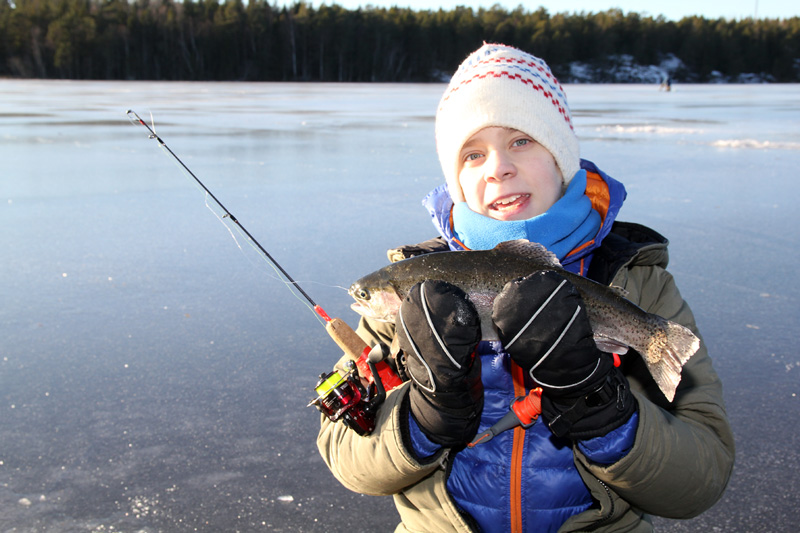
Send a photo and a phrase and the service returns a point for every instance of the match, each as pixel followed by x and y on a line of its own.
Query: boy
pixel 609 449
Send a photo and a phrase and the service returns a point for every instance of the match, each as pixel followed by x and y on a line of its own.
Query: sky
pixel 673 10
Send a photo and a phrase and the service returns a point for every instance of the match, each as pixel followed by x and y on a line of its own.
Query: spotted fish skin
pixel 617 323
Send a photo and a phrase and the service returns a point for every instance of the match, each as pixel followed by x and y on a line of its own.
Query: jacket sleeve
pixel 683 453
pixel 378 464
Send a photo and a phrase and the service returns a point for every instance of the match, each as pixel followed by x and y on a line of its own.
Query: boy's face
pixel 506 175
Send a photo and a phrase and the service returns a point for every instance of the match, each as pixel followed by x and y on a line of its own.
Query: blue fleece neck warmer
pixel 570 222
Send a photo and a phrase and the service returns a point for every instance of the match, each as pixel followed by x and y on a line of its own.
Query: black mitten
pixel 438 330
pixel 542 323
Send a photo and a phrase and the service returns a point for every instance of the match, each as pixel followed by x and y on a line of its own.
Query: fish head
pixel 376 301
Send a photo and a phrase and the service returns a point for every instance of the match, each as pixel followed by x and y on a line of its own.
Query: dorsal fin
pixel 619 291
pixel 529 250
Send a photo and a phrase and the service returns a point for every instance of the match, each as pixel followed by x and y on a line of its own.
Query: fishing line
pixel 222 221
pixel 283 276
pixel 338 396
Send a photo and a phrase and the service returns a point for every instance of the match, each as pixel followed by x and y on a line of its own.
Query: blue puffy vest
pixel 550 487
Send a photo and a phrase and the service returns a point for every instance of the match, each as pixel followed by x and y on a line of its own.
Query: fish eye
pixel 363 294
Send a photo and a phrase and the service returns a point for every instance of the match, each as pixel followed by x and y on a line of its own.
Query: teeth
pixel 509 200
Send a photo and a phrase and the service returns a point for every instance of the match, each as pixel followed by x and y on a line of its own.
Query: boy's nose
pixel 498 167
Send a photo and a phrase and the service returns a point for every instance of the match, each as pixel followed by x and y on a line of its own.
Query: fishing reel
pixel 354 394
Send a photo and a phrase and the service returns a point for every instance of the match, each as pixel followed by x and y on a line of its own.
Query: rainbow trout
pixel 617 323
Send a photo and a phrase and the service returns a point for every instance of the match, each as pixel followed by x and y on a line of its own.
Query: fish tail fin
pixel 665 365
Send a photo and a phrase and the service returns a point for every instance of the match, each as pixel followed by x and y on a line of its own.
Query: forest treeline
pixel 231 40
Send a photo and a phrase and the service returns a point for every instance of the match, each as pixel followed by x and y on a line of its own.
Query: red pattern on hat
pixel 527 81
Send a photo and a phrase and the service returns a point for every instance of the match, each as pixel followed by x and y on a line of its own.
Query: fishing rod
pixel 341 393
pixel 227 214
pixel 339 330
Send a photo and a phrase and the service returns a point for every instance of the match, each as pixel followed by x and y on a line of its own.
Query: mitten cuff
pixel 591 415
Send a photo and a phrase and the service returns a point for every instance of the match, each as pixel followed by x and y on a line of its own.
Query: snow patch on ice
pixel 648 128
pixel 755 144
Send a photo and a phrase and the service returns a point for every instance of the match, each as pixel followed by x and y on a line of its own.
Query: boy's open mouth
pixel 509 203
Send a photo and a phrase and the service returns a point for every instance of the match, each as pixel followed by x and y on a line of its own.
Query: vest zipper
pixel 517 448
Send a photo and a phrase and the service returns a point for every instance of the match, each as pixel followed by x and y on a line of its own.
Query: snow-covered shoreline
pixel 622 69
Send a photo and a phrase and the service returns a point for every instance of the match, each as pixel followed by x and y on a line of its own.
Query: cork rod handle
pixel 347 339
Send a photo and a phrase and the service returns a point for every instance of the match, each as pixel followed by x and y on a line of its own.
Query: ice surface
pixel 153 378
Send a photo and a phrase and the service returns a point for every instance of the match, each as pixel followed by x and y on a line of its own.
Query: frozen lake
pixel 154 378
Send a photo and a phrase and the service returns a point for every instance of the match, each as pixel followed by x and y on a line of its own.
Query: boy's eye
pixel 472 157
pixel 521 142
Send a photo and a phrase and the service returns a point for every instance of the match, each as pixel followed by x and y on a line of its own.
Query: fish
pixel 617 323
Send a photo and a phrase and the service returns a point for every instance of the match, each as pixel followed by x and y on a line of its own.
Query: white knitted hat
pixel 502 86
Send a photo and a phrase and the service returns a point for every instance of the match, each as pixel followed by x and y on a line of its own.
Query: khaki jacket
pixel 678 467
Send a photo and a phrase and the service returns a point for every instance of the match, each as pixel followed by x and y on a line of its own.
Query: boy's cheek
pixel 468 181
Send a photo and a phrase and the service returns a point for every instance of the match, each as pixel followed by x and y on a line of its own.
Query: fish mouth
pixel 359 308
pixel 367 312
pixel 510 204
